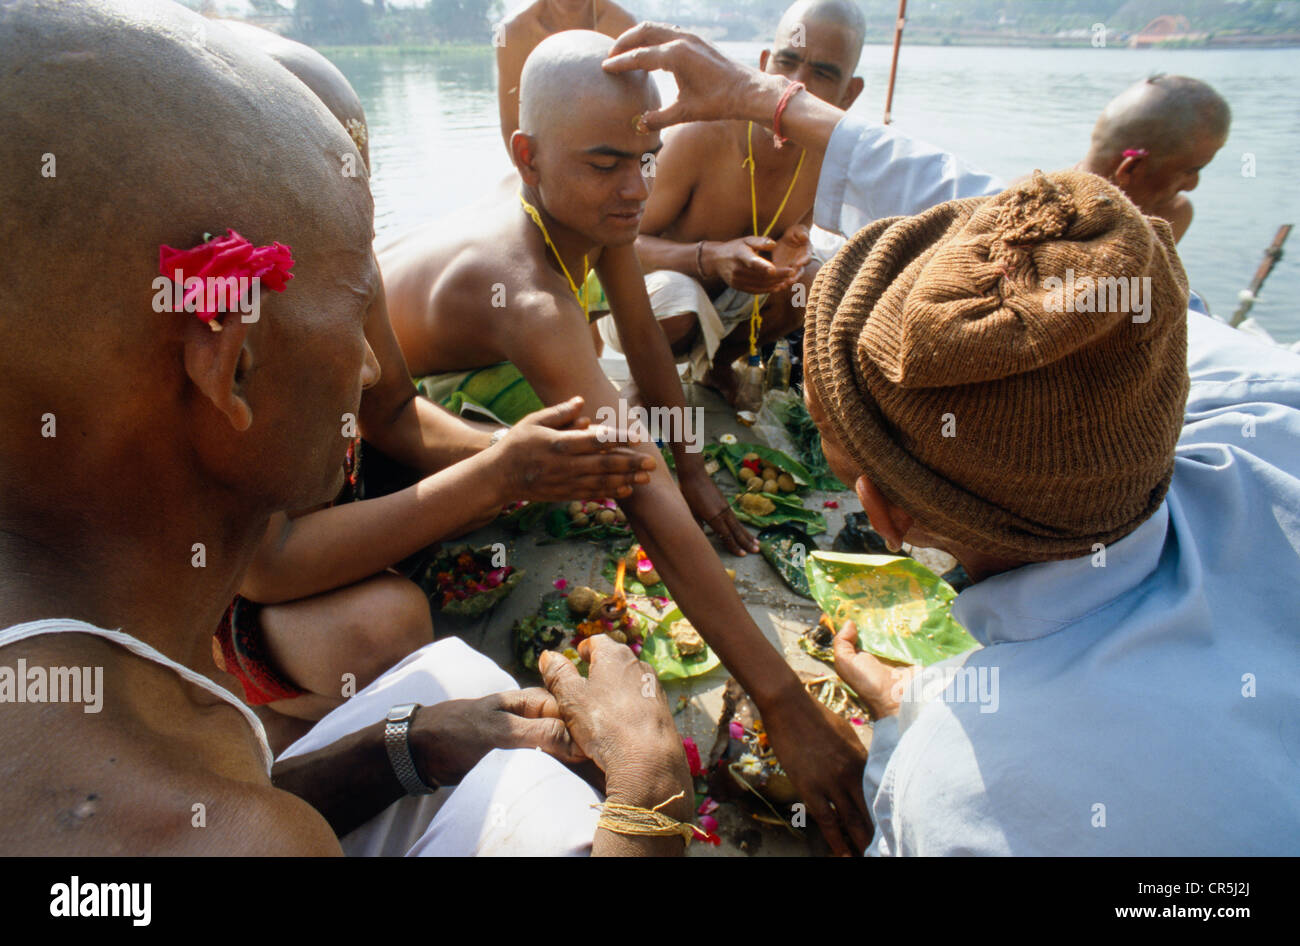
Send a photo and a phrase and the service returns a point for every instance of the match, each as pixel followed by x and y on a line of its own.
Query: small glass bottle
pixel 778 368
pixel 749 394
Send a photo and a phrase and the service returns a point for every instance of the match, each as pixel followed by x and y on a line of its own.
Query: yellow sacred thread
pixel 756 318
pixel 580 296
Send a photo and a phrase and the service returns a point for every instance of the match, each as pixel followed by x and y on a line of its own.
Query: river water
pixel 435 143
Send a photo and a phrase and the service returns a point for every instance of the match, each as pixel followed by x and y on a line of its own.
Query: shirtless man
pixel 697 240
pixel 1153 140
pixel 170 434
pixel 585 179
pixel 519 36
pixel 319 605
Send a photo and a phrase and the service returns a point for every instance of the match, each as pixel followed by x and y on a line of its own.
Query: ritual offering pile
pixel 467 581
pixel 662 638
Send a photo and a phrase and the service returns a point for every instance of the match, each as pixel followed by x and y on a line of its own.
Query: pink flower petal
pixel 561 584
pixel 709 823
pixel 737 730
pixel 830 504
pixel 692 755
pixel 708 806
pixel 858 722
pixel 636 647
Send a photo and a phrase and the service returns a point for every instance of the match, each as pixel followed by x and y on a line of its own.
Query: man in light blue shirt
pixel 1140 696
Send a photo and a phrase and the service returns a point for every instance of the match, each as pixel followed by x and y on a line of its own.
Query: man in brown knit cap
pixel 1005 378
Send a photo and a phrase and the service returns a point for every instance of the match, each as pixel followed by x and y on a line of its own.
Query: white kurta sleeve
pixel 871 171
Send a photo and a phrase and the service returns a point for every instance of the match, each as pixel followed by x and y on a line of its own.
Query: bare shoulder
pixel 614 21
pixel 153 765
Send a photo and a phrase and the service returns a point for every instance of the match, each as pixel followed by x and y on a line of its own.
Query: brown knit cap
pixel 1061 424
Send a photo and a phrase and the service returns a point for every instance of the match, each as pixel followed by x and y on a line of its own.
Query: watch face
pixel 401 712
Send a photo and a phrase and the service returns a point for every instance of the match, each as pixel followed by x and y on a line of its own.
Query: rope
pixel 756 318
pixel 580 296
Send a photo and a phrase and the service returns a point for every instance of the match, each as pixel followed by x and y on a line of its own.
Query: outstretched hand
pixel 555 454
pixel 710 86
pixel 740 264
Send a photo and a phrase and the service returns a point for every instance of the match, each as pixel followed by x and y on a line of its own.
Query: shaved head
pixel 563 82
pixel 842 14
pixel 131 124
pixel 314 71
pixel 1161 114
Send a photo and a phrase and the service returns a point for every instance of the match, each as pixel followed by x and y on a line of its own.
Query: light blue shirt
pixel 1150 706
pixel 871 171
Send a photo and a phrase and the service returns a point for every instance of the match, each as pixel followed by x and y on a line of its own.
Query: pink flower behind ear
pixel 222 257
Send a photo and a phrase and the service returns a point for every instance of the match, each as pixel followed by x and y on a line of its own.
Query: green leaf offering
pixel 632 584
pixel 901 608
pixel 786 549
pixel 789 509
pixel 659 651
pixel 732 456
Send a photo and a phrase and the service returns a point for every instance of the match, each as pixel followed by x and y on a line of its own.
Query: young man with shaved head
pixel 136 496
pixel 580 158
pixel 1154 138
pixel 321 611
pixel 705 262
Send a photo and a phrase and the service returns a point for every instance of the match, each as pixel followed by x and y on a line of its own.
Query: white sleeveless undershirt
pixel 18 632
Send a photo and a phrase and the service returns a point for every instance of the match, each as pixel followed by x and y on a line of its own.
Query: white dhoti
pixel 671 294
pixel 514 802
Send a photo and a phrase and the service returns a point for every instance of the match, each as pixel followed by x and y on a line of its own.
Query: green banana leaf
pixel 560 527
pixel 732 454
pixel 786 549
pixel 659 651
pixel 902 609
pixel 789 509
pixel 631 585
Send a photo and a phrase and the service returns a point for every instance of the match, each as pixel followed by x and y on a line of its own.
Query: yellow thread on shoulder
pixel 756 318
pixel 580 296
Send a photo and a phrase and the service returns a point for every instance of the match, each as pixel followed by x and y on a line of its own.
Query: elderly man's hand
pixel 710 86
pixel 619 718
pixel 878 683
pixel 449 738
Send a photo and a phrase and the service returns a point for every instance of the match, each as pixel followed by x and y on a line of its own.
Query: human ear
pixel 523 151
pixel 887 519
pixel 852 92
pixel 216 363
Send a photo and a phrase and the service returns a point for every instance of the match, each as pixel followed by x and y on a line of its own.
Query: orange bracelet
pixel 778 139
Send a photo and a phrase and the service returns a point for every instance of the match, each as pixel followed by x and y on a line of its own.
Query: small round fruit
pixel 754 485
pixel 769 486
pixel 786 482
pixel 575 508
pixel 581 519
pixel 605 517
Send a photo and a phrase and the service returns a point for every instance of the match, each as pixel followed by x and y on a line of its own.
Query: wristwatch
pixel 397 740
